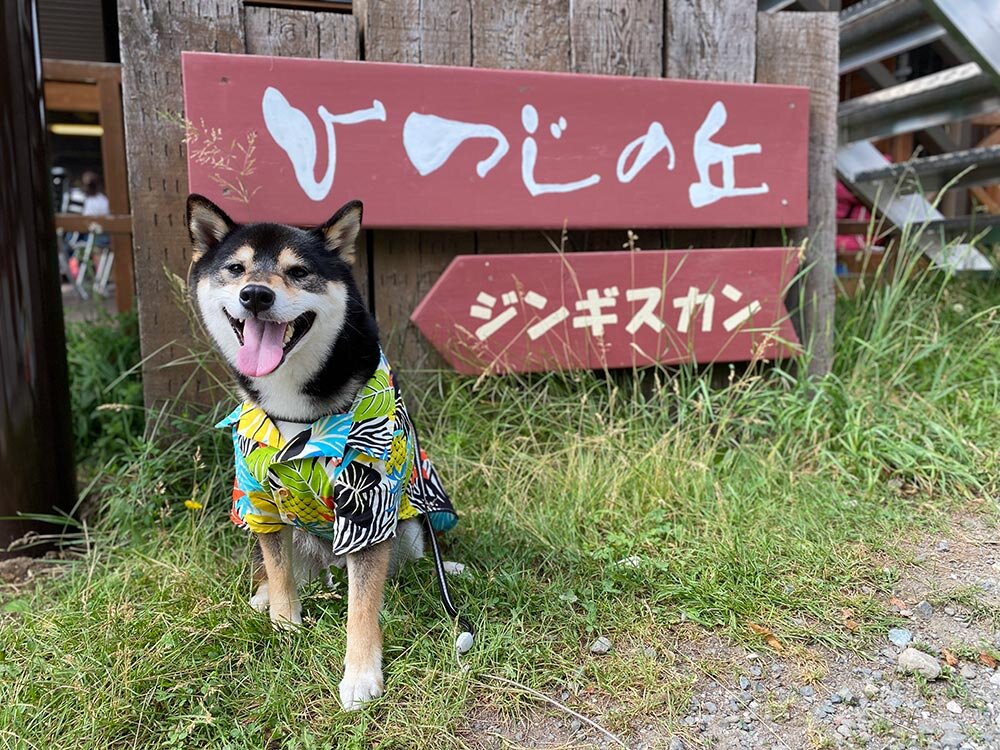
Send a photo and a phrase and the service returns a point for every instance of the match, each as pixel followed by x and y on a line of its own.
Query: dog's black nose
pixel 256 298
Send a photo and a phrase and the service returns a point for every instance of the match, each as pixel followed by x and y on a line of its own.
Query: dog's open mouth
pixel 264 344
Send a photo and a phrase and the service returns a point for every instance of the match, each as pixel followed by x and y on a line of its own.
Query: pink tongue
pixel 262 347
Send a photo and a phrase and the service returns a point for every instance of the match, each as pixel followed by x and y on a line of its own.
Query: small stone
pixel 952 739
pixel 950 611
pixel 602 645
pixel 631 562
pixel 869 690
pixel 676 743
pixel 926 727
pixel 912 660
pixel 844 731
pixel 453 568
pixel 755 670
pixel 953 707
pixel 900 636
pixel 649 652
pixel 924 609
pixel 835 698
pixel 806 691
pixel 943 546
pixel 710 708
pixel 995 678
pixel 968 672
pixel 575 725
pixel 848 697
pixel 744 682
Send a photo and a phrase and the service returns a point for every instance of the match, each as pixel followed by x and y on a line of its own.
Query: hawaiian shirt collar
pixel 368 426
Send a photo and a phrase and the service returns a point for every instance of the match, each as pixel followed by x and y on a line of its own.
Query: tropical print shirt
pixel 346 477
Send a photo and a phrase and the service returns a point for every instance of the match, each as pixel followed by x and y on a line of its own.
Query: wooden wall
pixel 704 39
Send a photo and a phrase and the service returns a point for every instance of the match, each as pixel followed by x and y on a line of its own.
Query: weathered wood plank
pixel 802 49
pixel 405 264
pixel 528 34
pixel 708 40
pixel 501 35
pixel 617 37
pixel 152 37
pixel 301 33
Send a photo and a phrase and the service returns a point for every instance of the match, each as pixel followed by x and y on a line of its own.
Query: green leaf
pixel 303 477
pixel 259 462
pixel 377 397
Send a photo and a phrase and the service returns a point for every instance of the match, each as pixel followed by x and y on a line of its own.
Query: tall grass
pixel 105 386
pixel 591 503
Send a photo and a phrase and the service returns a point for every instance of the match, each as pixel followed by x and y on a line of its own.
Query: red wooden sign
pixel 528 313
pixel 424 146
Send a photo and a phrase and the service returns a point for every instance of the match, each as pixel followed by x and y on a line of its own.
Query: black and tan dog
pixel 329 471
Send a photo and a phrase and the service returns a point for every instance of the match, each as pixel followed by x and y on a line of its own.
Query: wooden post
pixel 622 38
pixel 710 41
pixel 406 264
pixel 304 33
pixel 152 37
pixel 35 434
pixel 803 49
pixel 113 161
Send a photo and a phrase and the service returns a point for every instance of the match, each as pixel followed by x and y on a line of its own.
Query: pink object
pixel 291 140
pixel 851 208
pixel 534 312
pixel 262 348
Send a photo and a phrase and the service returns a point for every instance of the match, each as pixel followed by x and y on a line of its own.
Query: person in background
pixel 95 202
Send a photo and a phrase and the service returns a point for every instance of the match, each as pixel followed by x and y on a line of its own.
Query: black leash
pixel 465 639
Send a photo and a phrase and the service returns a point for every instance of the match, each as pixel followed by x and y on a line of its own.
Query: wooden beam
pixel 803 49
pixel 152 38
pixel 70 96
pixel 79 71
pixel 115 167
pixel 112 224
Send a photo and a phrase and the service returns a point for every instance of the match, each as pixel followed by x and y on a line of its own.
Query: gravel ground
pixel 769 700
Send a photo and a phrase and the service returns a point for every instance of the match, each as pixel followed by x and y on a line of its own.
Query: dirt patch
pixel 802 699
pixel 20 573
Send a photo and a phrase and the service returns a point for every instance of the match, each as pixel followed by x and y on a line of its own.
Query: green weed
pixel 777 501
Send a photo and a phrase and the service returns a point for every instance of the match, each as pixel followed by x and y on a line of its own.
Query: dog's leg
pixel 282 592
pixel 366 574
pixel 260 601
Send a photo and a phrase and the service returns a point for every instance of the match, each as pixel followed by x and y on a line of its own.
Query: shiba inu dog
pixel 329 470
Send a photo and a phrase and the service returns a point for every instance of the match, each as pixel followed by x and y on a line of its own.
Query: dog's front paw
pixel 287 616
pixel 360 686
pixel 261 601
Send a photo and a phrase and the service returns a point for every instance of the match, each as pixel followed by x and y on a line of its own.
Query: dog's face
pixel 274 298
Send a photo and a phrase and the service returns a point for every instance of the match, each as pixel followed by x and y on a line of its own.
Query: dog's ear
pixel 341 231
pixel 207 223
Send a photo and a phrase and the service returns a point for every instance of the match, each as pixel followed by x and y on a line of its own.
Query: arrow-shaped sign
pixel 560 311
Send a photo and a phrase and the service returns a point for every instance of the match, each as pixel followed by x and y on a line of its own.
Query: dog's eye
pixel 235 268
pixel 298 272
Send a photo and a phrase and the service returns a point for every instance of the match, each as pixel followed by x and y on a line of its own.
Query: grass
pixel 773 505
